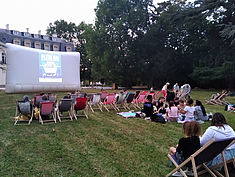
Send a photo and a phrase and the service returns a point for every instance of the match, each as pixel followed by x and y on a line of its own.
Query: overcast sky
pixel 37 14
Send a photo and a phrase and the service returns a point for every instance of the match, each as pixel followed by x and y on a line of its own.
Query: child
pixel 172 112
pixel 181 107
pixel 187 145
pixel 189 110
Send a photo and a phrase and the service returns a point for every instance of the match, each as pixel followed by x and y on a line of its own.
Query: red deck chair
pixel 153 95
pixel 139 100
pixel 110 101
pixel 36 100
pixel 47 110
pixel 80 104
pixel 103 96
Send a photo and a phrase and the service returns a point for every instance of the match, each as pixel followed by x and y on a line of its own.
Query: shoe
pixel 177 173
pixel 189 172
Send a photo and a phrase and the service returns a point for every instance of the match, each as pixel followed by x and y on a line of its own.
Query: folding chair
pixel 81 95
pixel 129 101
pixel 203 155
pixel 37 99
pixel 139 100
pixel 47 109
pixel 109 101
pixel 120 101
pixel 52 97
pixel 103 96
pixel 80 105
pixel 24 109
pixel 65 106
pixel 95 101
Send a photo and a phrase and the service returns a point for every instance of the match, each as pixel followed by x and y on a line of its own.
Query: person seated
pixel 181 107
pixel 219 130
pixel 161 106
pixel 149 111
pixel 172 112
pixel 170 96
pixel 189 110
pixel 200 111
pixel 187 145
pixel 176 101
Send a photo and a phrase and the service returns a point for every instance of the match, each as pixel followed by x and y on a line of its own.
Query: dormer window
pixel 16 41
pixel 27 43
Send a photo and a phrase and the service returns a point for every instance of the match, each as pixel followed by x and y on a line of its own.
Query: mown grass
pixel 104 145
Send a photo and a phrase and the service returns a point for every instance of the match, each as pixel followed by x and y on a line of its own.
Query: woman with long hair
pixel 200 111
pixel 219 130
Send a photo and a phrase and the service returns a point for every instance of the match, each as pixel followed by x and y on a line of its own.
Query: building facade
pixel 27 39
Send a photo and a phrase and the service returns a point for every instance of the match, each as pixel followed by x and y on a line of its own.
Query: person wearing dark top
pixel 148 107
pixel 161 106
pixel 149 111
pixel 188 144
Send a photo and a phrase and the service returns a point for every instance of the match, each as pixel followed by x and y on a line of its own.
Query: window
pixel 3 58
pixel 16 41
pixel 37 45
pixel 47 46
pixel 68 49
pixel 27 43
pixel 55 47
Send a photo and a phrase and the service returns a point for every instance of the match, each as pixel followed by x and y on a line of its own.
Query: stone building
pixel 38 41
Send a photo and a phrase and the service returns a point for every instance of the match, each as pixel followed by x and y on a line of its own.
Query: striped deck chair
pixel 200 157
pixel 129 101
pixel 110 102
pixel 94 103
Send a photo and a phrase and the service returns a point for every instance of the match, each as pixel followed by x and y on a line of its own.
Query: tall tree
pixel 73 33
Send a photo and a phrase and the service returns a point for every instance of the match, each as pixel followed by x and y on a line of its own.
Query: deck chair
pixel 37 99
pixel 80 105
pixel 81 95
pixel 129 101
pixel 47 112
pixel 65 106
pixel 200 157
pixel 24 109
pixel 94 103
pixel 120 101
pixel 103 96
pixel 139 100
pixel 110 102
pixel 52 97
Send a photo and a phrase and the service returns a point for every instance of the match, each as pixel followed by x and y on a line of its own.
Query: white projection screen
pixel 35 70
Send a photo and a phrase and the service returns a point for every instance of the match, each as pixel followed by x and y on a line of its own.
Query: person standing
pixel 164 89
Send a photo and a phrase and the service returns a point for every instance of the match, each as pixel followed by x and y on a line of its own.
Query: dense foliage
pixel 137 42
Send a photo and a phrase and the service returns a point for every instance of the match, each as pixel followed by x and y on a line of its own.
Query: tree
pixel 73 33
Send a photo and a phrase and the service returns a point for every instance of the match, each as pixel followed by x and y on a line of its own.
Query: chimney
pixel 27 30
pixel 7 26
pixel 39 32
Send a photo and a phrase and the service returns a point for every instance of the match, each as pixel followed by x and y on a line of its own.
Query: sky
pixel 37 14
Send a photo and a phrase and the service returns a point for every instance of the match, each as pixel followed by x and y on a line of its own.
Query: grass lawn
pixel 104 145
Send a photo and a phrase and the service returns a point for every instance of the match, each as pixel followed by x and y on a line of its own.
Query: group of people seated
pixel 193 140
pixel 174 110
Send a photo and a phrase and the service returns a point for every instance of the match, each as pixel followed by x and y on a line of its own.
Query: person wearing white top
pixel 164 89
pixel 219 130
pixel 189 110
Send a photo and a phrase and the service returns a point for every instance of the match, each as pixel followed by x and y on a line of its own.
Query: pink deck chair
pixel 140 100
pixel 47 110
pixel 111 102
pixel 80 105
